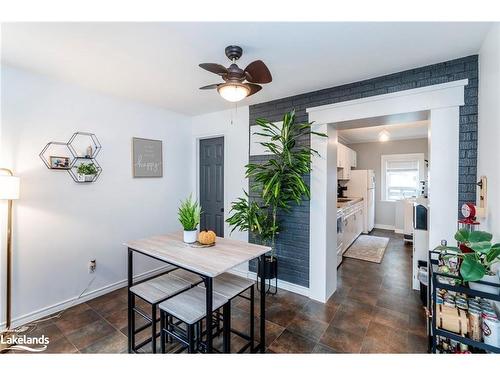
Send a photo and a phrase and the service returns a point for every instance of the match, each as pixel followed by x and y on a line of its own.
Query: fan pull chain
pixel 235 113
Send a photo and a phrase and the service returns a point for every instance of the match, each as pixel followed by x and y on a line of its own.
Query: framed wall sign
pixel 147 157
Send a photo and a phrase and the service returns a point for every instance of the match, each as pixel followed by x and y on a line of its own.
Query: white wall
pixel 489 126
pixel 233 125
pixel 369 157
pixel 60 225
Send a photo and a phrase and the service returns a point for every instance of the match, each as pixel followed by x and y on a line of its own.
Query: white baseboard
pixel 302 290
pixel 384 226
pixel 49 310
pixel 398 231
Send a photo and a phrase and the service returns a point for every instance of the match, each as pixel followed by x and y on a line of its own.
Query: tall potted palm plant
pixel 279 183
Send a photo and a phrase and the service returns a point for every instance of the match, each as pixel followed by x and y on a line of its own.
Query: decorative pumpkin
pixel 206 237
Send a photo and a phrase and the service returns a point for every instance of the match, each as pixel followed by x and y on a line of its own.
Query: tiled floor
pixel 373 311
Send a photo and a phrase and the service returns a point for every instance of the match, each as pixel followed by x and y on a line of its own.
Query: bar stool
pixel 190 277
pixel 152 291
pixel 189 307
pixel 232 286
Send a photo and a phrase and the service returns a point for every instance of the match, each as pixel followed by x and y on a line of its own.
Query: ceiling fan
pixel 239 83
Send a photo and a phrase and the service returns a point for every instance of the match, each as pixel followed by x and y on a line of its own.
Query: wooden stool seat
pixel 160 288
pixel 169 268
pixel 230 286
pixel 190 277
pixel 190 306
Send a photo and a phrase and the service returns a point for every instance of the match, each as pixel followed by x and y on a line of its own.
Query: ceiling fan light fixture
pixel 233 92
pixel 384 136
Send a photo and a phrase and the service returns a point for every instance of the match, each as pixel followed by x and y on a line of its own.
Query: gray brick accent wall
pixel 293 242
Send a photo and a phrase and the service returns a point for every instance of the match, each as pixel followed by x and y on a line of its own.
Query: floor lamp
pixel 9 190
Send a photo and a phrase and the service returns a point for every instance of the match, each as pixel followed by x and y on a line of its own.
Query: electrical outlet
pixel 92 266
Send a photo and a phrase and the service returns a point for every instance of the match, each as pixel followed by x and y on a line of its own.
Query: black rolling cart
pixel 432 327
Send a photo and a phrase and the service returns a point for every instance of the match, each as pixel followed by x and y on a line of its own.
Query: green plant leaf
pixel 189 214
pixel 480 236
pixel 462 235
pixel 278 181
pixel 480 247
pixel 494 253
pixel 471 269
pixel 448 248
pixel 87 169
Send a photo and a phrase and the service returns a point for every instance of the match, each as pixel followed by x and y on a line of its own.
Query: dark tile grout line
pixel 107 321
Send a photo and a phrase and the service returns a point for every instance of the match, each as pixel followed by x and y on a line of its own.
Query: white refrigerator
pixel 362 185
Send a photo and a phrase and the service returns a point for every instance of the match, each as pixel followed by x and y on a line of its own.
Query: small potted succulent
pixel 189 217
pixel 480 259
pixel 86 172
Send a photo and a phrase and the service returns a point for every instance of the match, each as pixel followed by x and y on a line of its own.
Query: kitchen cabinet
pixel 340 156
pixel 354 158
pixel 353 224
pixel 346 159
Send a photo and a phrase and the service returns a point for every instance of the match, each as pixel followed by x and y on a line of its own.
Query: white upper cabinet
pixel 354 159
pixel 346 159
pixel 340 156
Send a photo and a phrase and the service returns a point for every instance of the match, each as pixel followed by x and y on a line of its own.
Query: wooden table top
pixel 207 261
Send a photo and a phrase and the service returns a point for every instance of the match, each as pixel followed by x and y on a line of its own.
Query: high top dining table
pixel 208 262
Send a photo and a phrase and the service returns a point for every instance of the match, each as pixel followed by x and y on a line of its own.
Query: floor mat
pixel 369 248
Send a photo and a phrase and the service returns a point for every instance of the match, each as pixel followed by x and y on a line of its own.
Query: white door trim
pixel 323 235
pixel 434 89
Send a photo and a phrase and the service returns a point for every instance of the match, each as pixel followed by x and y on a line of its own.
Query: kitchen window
pixel 401 174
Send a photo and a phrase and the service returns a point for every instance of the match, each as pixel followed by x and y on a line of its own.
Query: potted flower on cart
pixel 278 183
pixel 480 259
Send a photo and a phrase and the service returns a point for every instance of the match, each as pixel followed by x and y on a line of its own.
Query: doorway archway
pixel 443 102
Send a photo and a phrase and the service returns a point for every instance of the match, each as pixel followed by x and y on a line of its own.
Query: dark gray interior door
pixel 212 184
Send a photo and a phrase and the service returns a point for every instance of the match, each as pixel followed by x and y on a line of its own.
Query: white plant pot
pixel 86 177
pixel 486 288
pixel 190 236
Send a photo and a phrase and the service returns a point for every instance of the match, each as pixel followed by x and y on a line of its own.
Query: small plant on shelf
pixel 86 172
pixel 478 254
pixel 189 217
pixel 479 257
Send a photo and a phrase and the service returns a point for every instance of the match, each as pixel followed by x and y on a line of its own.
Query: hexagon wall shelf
pixel 82 148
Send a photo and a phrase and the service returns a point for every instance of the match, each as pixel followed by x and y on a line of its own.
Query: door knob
pixel 222 209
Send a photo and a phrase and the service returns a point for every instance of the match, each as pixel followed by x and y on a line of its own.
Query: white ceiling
pixel 411 130
pixel 157 63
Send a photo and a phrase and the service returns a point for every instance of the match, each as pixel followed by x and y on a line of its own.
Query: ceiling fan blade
pixel 214 68
pixel 253 88
pixel 209 87
pixel 257 72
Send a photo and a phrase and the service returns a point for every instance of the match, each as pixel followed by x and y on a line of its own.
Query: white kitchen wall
pixel 369 157
pixel 60 225
pixel 233 125
pixel 489 126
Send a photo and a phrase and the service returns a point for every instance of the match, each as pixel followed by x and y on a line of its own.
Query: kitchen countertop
pixel 342 205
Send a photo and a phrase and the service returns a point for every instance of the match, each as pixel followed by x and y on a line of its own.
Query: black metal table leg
pixel 153 328
pixel 191 338
pixel 262 260
pixel 252 319
pixel 162 331
pixel 131 320
pixel 209 299
pixel 227 327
